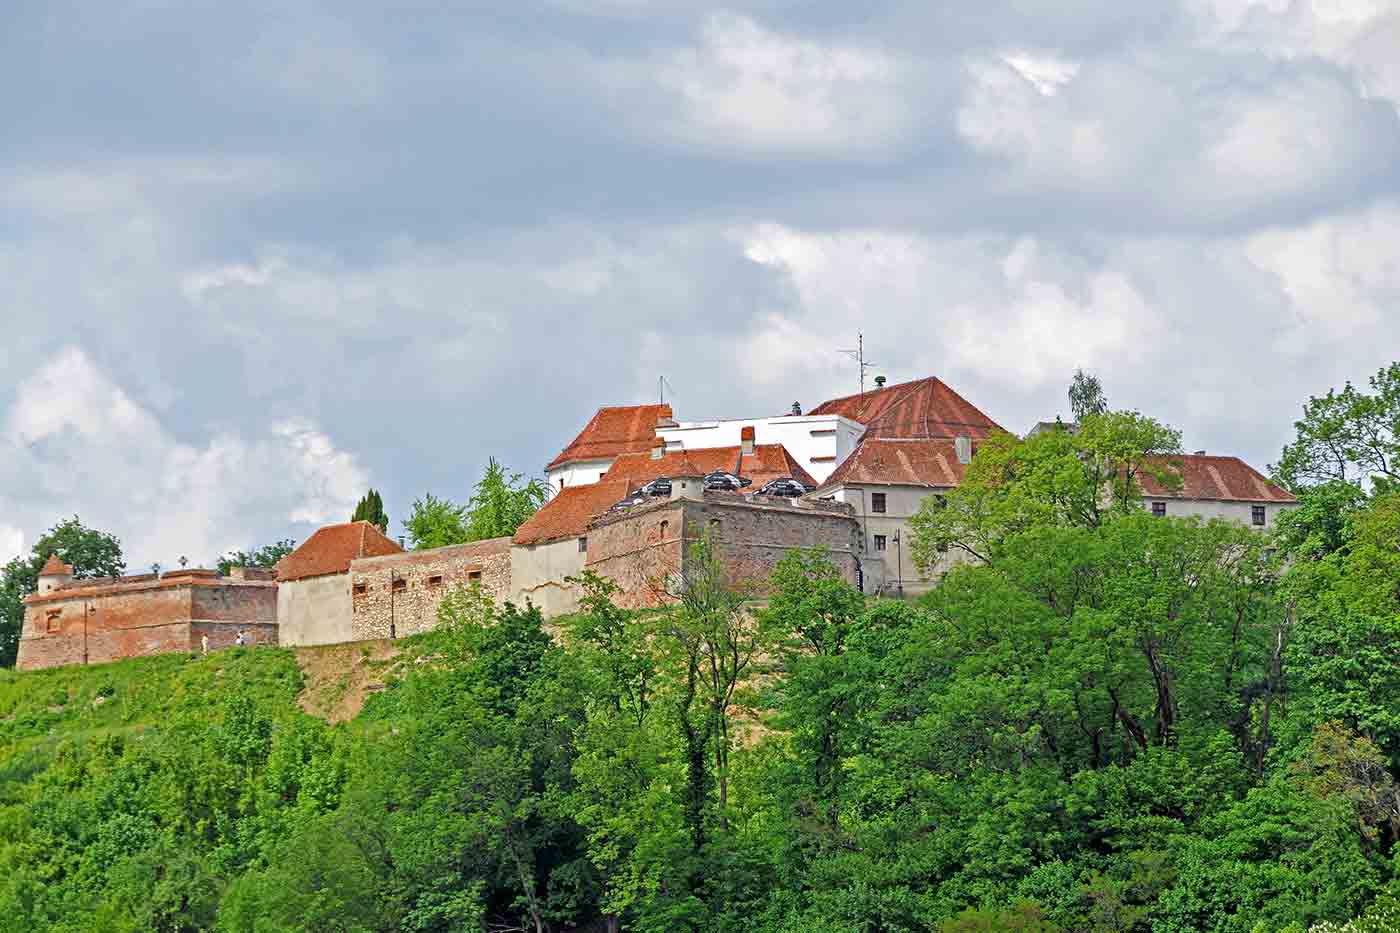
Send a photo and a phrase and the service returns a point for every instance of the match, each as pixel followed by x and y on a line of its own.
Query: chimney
pixel 746 440
pixel 664 418
pixel 963 444
pixel 688 487
pixel 658 450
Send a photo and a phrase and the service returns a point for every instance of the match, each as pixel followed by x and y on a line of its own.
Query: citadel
pixel 867 462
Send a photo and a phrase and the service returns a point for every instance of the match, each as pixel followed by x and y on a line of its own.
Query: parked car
pixel 785 487
pixel 719 479
pixel 625 504
pixel 657 487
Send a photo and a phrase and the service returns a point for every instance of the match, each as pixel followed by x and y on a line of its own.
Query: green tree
pixel 1349 435
pixel 370 509
pixel 91 553
pixel 436 522
pixel 1086 396
pixel 1055 478
pixel 266 556
pixel 502 502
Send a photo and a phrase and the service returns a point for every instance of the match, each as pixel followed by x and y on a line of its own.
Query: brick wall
pixel 129 618
pixel 399 594
pixel 637 552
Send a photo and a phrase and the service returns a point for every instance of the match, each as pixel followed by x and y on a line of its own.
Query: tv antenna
pixel 858 354
pixel 662 384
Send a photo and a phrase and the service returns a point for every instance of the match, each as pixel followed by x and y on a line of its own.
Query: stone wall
pixel 399 594
pixel 96 622
pixel 642 549
pixel 537 573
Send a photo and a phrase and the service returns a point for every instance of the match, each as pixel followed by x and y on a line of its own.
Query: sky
pixel 260 256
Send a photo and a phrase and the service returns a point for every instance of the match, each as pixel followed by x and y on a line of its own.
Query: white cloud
pixel 1046 73
pixel 76 442
pixel 744 86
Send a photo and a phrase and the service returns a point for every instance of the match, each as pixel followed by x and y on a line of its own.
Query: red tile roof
pixel 567 515
pixel 54 567
pixel 901 462
pixel 332 548
pixel 613 431
pixel 923 408
pixel 1223 478
pixel 768 461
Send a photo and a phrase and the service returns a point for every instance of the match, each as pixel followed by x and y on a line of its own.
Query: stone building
pixel 399 594
pixel 886 482
pixel 92 621
pixel 554 543
pixel 646 548
pixel 1217 487
pixel 313 583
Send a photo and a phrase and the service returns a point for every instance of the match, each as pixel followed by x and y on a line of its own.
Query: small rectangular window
pixel 361 589
pixel 435 580
pixel 474 576
pixel 583 545
pixel 52 620
pixel 1257 514
pixel 400 585
pixel 879 542
pixel 877 502
pixel 1159 509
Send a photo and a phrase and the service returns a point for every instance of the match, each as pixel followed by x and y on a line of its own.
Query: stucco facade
pixel 886 553
pixel 537 573
pixel 817 442
pixel 315 610
pixel 95 621
pixel 399 594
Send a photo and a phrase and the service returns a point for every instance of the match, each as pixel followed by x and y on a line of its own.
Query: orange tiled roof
pixel 332 548
pixel 613 431
pixel 1222 478
pixel 768 461
pixel 567 515
pixel 923 408
pixel 901 462
pixel 54 567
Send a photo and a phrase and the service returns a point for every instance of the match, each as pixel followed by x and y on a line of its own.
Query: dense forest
pixel 1100 720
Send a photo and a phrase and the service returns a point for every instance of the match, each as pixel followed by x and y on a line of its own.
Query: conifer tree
pixel 371 509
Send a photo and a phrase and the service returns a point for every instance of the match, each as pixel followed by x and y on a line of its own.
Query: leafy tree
pixel 91 553
pixel 1086 396
pixel 1349 436
pixel 1056 478
pixel 266 556
pixel 370 509
pixel 502 502
pixel 436 522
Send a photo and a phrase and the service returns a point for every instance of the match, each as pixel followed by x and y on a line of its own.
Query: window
pixel 361 589
pixel 474 577
pixel 399 585
pixel 1257 514
pixel 877 502
pixel 435 580
pixel 1159 509
pixel 583 545
pixel 665 525
pixel 714 526
pixel 52 621
pixel 879 542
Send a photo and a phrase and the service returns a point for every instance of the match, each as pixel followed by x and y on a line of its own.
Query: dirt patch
pixel 339 677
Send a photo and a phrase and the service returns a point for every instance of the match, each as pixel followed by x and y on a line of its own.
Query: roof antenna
pixel 858 354
pixel 661 383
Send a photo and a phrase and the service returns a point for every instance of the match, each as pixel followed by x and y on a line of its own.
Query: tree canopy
pixel 370 509
pixel 1347 435
pixel 266 556
pixel 91 553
